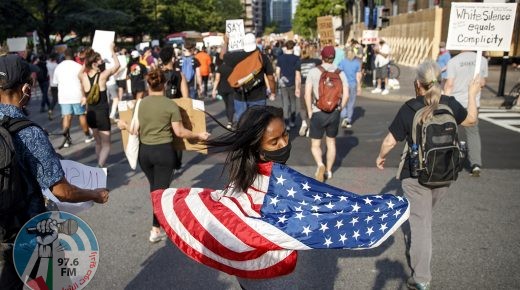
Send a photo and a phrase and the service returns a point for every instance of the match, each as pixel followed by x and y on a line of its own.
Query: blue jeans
pixel 348 111
pixel 241 106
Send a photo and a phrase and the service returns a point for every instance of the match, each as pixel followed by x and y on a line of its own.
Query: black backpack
pixel 172 88
pixel 12 182
pixel 440 157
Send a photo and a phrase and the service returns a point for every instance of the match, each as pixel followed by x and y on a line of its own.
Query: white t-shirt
pixel 51 67
pixel 69 85
pixel 123 63
pixel 461 69
pixel 313 79
pixel 381 60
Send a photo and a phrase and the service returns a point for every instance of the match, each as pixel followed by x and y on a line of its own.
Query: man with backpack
pixel 190 68
pixel 326 94
pixel 250 69
pixel 29 164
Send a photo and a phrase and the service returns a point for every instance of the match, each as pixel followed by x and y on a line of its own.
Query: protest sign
pixel 193 119
pixel 235 33
pixel 82 176
pixel 143 45
pixel 370 36
pixel 481 27
pixel 155 42
pixel 102 43
pixel 125 109
pixel 17 44
pixel 326 30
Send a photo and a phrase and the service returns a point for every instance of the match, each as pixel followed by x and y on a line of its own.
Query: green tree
pixel 307 11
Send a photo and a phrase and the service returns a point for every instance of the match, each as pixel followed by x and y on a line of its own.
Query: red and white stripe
pixel 222 229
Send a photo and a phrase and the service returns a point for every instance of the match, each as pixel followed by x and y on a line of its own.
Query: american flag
pixel 255 234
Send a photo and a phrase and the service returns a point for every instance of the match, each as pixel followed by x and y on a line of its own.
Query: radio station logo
pixel 56 250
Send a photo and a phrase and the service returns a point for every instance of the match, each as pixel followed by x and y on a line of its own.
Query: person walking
pixel 51 67
pixel 71 97
pixel 159 120
pixel 307 63
pixel 190 68
pixel 136 72
pixel 382 60
pixel 38 164
pixel 289 77
pixel 95 78
pixel 423 199
pixel 222 88
pixel 205 68
pixel 460 70
pixel 323 122
pixel 43 81
pixel 351 67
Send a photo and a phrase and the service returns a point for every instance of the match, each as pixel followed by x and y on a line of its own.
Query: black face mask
pixel 102 67
pixel 279 156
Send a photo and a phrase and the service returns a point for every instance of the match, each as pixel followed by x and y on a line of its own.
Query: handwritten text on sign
pixel 235 33
pixel 326 30
pixel 481 26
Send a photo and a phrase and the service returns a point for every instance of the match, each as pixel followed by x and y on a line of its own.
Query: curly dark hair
pixel 244 143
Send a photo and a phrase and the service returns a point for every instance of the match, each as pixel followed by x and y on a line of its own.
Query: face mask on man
pixel 279 155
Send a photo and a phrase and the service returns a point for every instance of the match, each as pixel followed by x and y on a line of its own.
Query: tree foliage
pixel 304 22
pixel 133 18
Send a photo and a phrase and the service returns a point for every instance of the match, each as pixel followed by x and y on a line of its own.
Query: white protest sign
pixel 143 45
pixel 155 42
pixel 81 176
pixel 481 26
pixel 235 32
pixel 370 36
pixel 102 43
pixel 17 44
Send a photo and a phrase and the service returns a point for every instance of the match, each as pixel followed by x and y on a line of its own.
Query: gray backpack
pixel 439 155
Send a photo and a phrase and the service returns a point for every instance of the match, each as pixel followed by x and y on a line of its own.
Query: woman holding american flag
pixel 253 228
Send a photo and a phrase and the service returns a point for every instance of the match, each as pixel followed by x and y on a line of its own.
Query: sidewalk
pixel 489 92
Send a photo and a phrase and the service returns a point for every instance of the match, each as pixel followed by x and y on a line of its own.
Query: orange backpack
pixel 330 90
pixel 248 73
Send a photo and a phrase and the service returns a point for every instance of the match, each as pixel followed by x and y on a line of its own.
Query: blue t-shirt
pixel 350 68
pixel 34 151
pixel 289 64
pixel 442 61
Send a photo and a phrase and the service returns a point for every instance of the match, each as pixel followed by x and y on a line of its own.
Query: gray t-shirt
pixel 313 78
pixel 461 69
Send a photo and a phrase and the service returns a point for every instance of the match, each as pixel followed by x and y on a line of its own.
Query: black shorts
pixel 99 119
pixel 322 122
pixel 121 84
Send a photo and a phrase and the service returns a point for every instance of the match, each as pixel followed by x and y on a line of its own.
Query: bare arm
pixel 308 97
pixel 473 91
pixel 184 133
pixel 215 84
pixel 388 144
pixel 298 83
pixel 67 192
pixel 448 87
pixel 184 87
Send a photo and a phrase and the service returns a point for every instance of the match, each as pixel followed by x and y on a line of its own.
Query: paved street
pixel 476 235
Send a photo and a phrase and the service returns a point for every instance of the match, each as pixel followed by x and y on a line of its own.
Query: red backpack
pixel 330 90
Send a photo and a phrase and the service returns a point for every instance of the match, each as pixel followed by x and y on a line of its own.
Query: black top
pixel 258 93
pixel 223 85
pixel 103 98
pixel 401 127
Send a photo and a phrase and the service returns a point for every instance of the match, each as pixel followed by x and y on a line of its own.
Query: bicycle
pixel 393 70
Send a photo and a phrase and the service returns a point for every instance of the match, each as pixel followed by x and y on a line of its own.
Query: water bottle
pixel 414 161
pixel 463 149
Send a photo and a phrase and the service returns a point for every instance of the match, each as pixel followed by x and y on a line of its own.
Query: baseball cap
pixel 249 42
pixel 328 52
pixel 13 71
pixel 134 54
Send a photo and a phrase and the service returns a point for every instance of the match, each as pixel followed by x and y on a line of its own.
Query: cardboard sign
pixel 370 36
pixel 17 44
pixel 481 26
pixel 235 32
pixel 193 118
pixel 102 43
pixel 326 30
pixel 81 176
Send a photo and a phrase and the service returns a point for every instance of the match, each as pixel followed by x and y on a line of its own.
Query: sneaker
pixel 411 284
pixel 89 138
pixel 345 124
pixel 49 115
pixel 303 130
pixel 376 91
pixel 385 92
pixel 475 171
pixel 229 125
pixel 320 173
pixel 156 236
pixel 328 175
pixel 66 143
